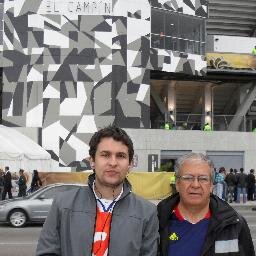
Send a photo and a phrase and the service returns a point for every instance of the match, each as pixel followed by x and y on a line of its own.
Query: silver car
pixel 32 208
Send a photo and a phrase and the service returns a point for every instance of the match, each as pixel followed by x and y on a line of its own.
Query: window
pixel 157 23
pixel 172 25
pixel 171 43
pixel 177 32
pixel 157 41
pixel 52 192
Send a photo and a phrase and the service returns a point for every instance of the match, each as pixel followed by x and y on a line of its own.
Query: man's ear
pixel 177 186
pixel 92 163
pixel 130 166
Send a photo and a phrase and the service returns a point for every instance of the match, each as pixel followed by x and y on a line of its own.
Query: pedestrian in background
pixel 230 179
pixel 251 185
pixel 235 189
pixel 207 127
pixel 173 183
pixel 36 182
pixel 254 50
pixel 22 183
pixel 7 184
pixel 219 179
pixel 195 222
pixel 1 183
pixel 241 186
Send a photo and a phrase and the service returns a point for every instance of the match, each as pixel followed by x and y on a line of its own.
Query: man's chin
pixel 113 183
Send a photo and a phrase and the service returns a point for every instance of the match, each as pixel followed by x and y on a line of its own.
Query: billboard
pixel 231 61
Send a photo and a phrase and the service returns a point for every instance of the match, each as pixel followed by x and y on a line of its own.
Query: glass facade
pixel 177 32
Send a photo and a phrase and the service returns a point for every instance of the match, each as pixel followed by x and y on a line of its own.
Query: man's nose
pixel 113 160
pixel 195 182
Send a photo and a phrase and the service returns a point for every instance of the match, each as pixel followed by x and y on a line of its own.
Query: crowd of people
pixel 234 186
pixel 9 181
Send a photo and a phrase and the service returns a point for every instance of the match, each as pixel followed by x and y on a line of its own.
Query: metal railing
pixel 197 121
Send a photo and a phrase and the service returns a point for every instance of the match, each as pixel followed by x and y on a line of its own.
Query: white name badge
pixel 226 246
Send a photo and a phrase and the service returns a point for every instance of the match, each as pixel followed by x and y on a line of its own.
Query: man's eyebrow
pixel 109 152
pixel 123 153
pixel 104 151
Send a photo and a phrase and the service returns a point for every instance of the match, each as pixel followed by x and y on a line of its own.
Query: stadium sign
pixel 84 7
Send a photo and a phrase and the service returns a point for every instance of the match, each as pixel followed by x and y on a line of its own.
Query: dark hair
pixel 231 170
pixel 241 170
pixel 7 168
pixel 35 173
pixel 114 132
pixel 252 171
pixel 222 169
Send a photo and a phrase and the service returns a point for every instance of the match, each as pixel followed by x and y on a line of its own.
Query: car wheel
pixel 18 218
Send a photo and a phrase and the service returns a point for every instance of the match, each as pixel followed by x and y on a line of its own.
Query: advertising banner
pixel 148 185
pixel 218 60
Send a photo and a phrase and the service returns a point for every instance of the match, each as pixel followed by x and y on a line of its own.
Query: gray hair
pixel 193 156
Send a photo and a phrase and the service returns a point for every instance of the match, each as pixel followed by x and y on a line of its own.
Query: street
pixel 23 241
pixel 19 241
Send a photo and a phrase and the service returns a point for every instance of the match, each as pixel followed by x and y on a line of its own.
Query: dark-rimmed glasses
pixel 189 178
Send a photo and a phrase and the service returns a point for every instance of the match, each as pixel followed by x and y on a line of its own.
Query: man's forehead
pixel 112 141
pixel 194 163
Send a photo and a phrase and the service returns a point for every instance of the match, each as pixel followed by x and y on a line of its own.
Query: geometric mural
pixel 69 69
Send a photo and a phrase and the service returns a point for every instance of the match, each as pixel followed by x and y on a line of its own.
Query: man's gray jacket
pixel 69 227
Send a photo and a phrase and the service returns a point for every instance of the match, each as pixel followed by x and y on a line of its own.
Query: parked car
pixel 32 208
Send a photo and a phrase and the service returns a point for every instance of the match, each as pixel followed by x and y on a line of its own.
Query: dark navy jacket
pixel 228 233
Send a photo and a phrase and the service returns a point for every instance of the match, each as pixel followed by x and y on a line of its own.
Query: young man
pixel 196 223
pixel 231 183
pixel 241 186
pixel 7 184
pixel 105 218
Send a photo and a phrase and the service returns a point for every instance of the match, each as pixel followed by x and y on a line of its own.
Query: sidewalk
pixel 249 203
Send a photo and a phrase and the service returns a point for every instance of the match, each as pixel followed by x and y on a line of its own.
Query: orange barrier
pixel 149 185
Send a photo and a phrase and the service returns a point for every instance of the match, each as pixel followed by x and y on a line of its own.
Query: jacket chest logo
pixel 173 237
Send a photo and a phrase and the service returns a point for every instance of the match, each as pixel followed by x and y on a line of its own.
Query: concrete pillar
pixel 247 96
pixel 171 100
pixel 207 104
pixel 243 91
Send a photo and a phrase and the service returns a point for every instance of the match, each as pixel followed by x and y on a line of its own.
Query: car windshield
pixel 35 192
pixel 53 189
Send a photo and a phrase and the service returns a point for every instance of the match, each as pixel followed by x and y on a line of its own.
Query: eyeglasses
pixel 202 179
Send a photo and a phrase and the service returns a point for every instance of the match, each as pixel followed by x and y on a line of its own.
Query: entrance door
pixel 227 159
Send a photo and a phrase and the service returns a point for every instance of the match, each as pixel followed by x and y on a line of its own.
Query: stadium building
pixel 71 67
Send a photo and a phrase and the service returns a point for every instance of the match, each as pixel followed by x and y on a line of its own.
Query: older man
pixel 194 222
